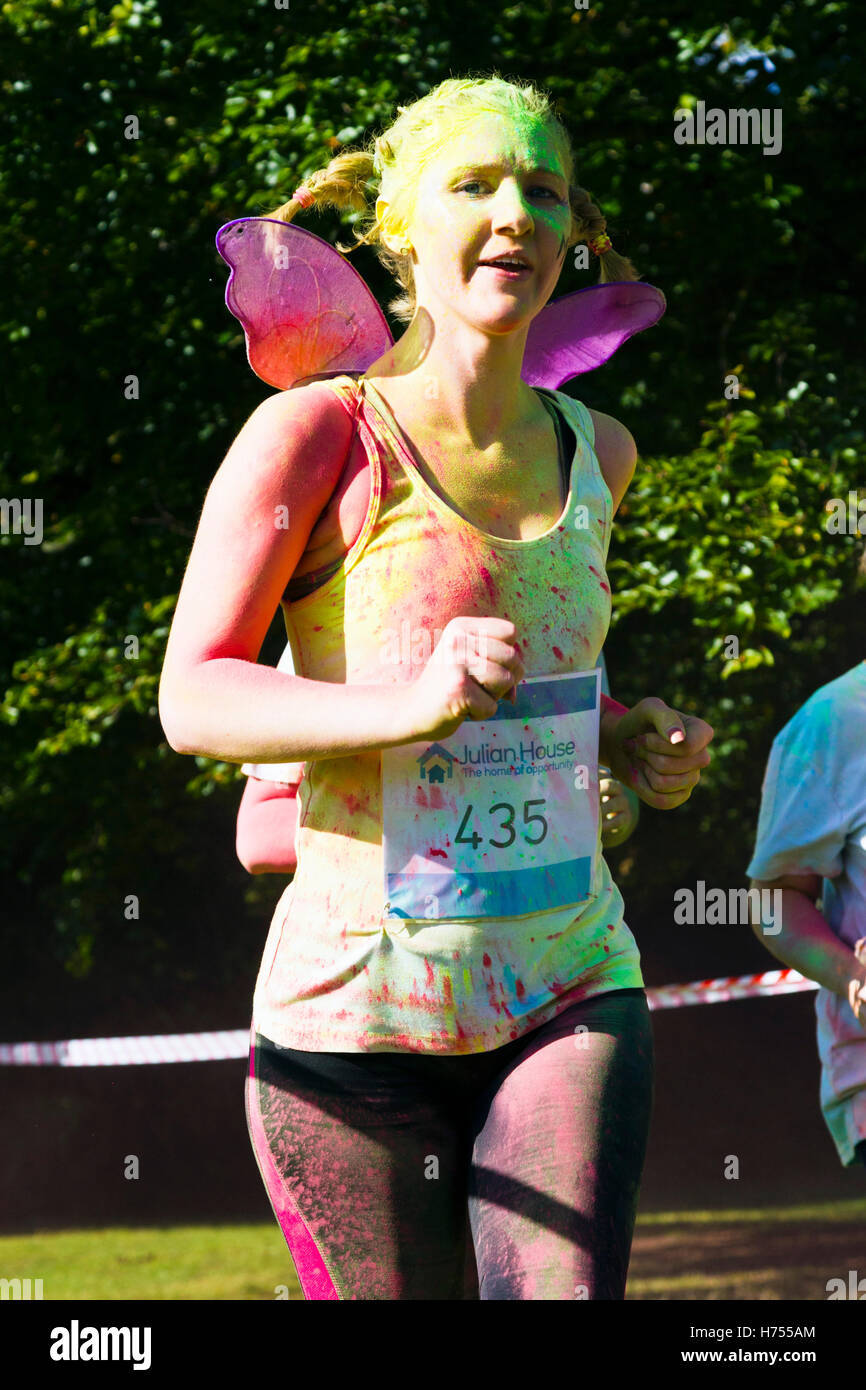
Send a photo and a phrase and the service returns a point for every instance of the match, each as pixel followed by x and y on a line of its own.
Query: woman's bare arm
pixel 259 512
pixel 267 827
pixel 805 941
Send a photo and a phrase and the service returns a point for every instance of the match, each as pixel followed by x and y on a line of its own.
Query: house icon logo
pixel 436 764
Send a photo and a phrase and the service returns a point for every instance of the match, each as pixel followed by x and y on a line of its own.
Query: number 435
pixel 508 825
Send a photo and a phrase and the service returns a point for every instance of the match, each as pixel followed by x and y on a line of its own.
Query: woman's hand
pixel 475 664
pixel 618 813
pixel 638 749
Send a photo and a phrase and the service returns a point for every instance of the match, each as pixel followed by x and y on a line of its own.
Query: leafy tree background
pixel 109 268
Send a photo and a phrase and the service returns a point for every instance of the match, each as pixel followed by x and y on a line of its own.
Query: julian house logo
pixel 75 1343
pixel 436 764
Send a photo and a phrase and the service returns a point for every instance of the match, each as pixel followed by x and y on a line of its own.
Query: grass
pixel 215 1263
pixel 173 1262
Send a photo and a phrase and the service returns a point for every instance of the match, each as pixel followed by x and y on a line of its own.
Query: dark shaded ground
pixel 746 1259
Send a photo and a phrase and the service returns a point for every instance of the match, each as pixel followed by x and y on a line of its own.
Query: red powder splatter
pixel 604 586
pixel 519 988
pixel 448 993
pixel 610 927
pixel 487 961
pixel 607 948
pixel 595 571
pixel 440 853
pixel 429 1006
pixel 431 978
pixel 553 589
pixel 488 582
pixel 557 653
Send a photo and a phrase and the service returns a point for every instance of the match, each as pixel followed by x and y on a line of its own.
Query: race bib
pixel 501 819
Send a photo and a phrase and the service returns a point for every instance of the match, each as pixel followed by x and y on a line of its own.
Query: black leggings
pixel 511 1174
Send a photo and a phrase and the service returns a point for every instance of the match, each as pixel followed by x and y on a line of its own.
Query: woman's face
pixel 498 187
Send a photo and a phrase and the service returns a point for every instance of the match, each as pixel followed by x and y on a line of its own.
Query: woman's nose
pixel 510 206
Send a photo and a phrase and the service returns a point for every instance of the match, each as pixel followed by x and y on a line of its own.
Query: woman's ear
pixel 398 244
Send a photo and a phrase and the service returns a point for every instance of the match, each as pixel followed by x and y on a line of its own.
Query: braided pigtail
pixel 341 184
pixel 589 225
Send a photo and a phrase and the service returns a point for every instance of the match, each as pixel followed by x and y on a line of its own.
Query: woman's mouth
pixel 507 270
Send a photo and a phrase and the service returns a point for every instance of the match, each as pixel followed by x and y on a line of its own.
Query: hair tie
pixel 599 244
pixel 304 196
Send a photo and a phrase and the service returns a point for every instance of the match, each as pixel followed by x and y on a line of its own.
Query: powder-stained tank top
pixel 341 973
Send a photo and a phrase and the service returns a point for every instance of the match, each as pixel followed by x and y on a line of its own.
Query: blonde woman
pixel 449 1094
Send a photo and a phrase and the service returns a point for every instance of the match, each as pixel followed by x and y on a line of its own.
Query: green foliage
pixel 129 135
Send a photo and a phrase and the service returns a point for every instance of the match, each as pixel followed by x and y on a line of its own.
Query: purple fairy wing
pixel 578 332
pixel 304 308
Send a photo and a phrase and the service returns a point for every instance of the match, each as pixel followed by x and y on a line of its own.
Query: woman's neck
pixel 467 383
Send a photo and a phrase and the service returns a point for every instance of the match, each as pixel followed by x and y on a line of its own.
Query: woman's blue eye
pixel 538 188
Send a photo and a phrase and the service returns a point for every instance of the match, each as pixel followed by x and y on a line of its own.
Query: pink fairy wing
pixel 304 308
pixel 582 330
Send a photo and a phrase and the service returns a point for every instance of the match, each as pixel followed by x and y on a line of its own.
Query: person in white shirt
pixel 811 843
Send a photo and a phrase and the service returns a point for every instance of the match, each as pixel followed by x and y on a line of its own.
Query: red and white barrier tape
pixel 111 1052
pixel 235 1043
pixel 729 987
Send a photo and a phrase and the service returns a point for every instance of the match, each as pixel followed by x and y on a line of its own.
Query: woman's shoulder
pixel 615 450
pixel 613 443
pixel 311 418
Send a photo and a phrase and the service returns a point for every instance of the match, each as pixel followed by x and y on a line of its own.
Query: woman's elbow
pixel 171 732
pixel 167 711
pixel 180 738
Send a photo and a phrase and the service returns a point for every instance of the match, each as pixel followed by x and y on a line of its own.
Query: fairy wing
pixel 306 311
pixel 582 330
pixel 304 308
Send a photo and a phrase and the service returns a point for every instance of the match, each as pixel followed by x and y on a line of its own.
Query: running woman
pixel 443 1103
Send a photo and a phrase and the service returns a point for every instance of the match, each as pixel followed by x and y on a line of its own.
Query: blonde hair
pixel 390 166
